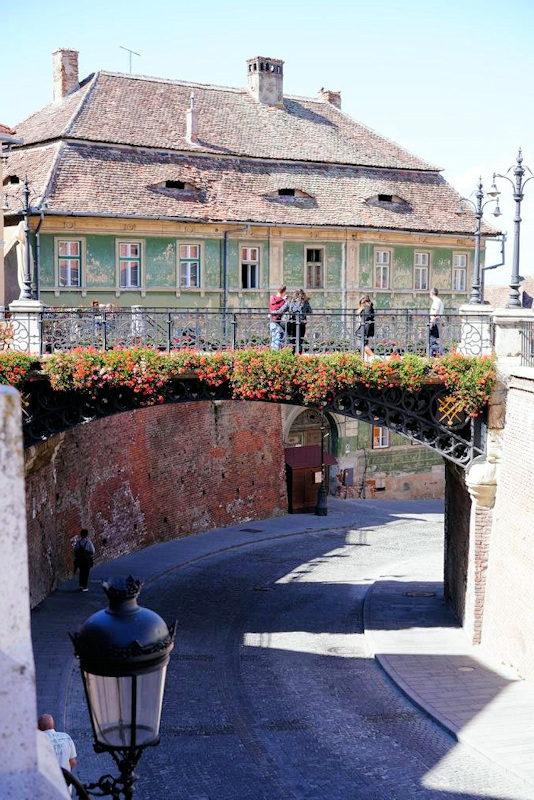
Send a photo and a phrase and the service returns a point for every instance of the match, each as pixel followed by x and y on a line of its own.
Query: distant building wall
pixel 148 476
pixel 345 270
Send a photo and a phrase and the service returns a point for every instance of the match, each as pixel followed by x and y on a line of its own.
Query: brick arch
pixel 425 416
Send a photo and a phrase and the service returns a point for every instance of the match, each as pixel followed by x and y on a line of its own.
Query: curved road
pixel 271 692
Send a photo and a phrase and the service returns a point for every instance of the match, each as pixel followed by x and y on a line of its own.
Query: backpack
pixel 82 556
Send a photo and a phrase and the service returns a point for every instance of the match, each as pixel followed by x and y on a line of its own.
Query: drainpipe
pixel 225 280
pixel 502 240
pixel 38 255
pixel 344 279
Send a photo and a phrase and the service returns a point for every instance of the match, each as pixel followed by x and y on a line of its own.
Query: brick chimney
pixel 328 96
pixel 65 75
pixel 191 121
pixel 266 80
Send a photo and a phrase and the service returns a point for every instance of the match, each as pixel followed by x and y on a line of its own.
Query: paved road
pixel 272 692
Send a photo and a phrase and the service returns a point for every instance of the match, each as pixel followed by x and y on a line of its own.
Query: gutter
pixel 292 225
pixel 38 255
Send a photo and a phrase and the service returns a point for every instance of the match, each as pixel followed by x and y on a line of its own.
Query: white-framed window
pixel 421 268
pixel 129 264
pixel 250 267
pixel 314 267
pixel 459 272
pixel 382 268
pixel 189 266
pixel 380 437
pixel 69 263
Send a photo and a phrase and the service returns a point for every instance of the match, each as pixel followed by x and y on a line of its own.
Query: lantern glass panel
pixel 150 688
pixel 114 701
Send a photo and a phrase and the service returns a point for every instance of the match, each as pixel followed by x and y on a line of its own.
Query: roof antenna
pixel 130 53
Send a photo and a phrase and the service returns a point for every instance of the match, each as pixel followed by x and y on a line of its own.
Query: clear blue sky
pixel 450 80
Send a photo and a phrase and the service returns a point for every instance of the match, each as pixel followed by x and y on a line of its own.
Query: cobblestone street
pixel 272 691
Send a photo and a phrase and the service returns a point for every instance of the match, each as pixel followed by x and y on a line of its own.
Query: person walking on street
pixel 366 331
pixel 277 306
pixel 84 557
pixel 436 312
pixel 61 742
pixel 299 306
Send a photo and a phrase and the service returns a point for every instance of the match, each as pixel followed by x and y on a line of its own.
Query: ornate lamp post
pixel 321 508
pixel 478 206
pixel 518 185
pixel 123 652
pixel 24 201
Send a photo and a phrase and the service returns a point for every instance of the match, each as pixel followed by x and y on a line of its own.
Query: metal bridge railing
pixel 324 331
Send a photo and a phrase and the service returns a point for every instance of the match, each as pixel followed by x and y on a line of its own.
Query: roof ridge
pixel 52 172
pixel 173 81
pixel 216 86
pixel 78 110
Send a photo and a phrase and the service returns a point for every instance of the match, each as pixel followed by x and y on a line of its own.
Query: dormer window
pixel 174 185
pixel 390 201
pixel 296 193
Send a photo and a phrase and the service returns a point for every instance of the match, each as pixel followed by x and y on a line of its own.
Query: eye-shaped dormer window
pixel 182 186
pixel 390 201
pixel 290 192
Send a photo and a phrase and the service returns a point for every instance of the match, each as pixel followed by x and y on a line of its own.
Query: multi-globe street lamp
pixel 478 205
pixel 518 185
pixel 23 199
pixel 123 652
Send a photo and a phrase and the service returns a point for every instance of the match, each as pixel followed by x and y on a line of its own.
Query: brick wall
pixel 508 622
pixel 148 476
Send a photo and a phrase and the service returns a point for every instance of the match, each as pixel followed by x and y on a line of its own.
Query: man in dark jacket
pixel 84 554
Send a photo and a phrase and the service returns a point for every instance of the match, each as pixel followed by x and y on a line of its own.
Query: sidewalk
pixel 408 629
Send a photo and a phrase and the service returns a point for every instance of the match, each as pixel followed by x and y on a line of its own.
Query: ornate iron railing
pixel 396 331
pixel 429 416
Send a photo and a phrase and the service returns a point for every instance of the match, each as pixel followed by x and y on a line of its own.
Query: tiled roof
pixel 5 129
pixel 498 296
pixel 37 164
pixel 147 112
pixel 130 181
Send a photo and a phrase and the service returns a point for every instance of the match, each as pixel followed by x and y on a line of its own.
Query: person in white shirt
pixel 61 742
pixel 436 311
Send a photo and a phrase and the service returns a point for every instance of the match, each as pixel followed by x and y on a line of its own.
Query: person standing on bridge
pixel 299 307
pixel 366 330
pixel 84 557
pixel 278 305
pixel 436 311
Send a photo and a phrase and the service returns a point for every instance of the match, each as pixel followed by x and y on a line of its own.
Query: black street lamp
pixel 478 206
pixel 24 201
pixel 518 185
pixel 123 651
pixel 321 508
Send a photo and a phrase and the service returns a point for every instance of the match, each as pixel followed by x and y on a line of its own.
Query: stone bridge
pixel 489 468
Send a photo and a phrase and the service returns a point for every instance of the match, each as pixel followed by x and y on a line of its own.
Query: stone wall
pixel 508 622
pixel 28 767
pixel 148 476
